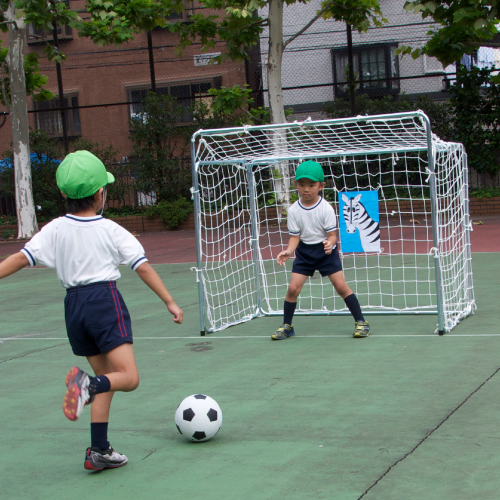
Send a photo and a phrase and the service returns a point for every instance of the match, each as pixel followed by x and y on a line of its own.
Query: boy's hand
pixel 283 257
pixel 176 312
pixel 328 246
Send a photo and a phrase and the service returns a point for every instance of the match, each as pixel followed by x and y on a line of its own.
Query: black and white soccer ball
pixel 198 418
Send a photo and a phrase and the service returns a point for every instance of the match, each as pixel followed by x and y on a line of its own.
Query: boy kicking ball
pixel 313 238
pixel 86 250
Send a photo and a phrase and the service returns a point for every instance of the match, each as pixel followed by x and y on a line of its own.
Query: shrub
pixel 46 155
pixel 8 233
pixel 476 121
pixel 45 158
pixel 158 150
pixel 171 213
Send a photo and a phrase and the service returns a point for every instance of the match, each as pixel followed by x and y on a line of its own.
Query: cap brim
pixel 307 177
pixel 111 178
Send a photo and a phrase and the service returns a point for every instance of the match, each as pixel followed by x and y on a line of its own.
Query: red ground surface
pixel 179 246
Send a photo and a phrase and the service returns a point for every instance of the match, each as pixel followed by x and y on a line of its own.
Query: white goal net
pixel 407 183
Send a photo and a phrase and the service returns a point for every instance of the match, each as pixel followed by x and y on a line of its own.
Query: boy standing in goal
pixel 313 238
pixel 86 250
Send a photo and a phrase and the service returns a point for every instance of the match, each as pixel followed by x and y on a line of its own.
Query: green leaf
pixel 479 23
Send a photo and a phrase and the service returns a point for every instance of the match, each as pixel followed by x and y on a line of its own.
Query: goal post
pixel 401 199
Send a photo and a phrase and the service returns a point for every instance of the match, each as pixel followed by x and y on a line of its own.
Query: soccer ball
pixel 198 418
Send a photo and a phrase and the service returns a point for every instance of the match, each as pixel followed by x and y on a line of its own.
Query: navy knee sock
pixel 99 384
pixel 352 303
pixel 99 435
pixel 288 311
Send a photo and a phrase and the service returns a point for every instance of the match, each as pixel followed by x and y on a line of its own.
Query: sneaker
pixel 283 332
pixel 96 459
pixel 361 329
pixel 77 395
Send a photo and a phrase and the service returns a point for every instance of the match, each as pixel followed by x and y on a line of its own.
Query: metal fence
pixel 124 192
pixel 7 205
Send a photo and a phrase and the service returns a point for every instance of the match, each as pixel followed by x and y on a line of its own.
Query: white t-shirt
pixel 311 223
pixel 84 250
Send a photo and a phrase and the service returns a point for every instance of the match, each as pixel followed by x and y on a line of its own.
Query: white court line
pixel 208 337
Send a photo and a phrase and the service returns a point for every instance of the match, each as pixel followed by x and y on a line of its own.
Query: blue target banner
pixel 359 221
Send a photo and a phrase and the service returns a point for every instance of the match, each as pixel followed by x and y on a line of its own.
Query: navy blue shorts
pixel 97 319
pixel 310 258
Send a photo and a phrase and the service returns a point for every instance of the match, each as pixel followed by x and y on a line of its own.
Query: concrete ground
pixel 403 414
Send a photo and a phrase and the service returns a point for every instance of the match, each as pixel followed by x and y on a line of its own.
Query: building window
pixel 376 69
pixel 48 116
pixel 184 93
pixel 184 16
pixel 35 35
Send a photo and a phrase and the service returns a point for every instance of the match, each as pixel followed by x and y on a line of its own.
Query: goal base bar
pixel 348 313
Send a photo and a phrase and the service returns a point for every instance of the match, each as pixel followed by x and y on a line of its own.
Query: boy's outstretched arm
pixel 151 278
pixel 12 264
pixel 293 243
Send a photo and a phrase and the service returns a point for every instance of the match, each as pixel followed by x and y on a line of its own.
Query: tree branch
pixel 308 25
pixel 485 43
pixel 262 22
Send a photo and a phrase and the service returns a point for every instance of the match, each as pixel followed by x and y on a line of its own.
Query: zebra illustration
pixel 356 217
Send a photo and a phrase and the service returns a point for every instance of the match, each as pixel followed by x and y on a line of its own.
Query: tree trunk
pixel 25 207
pixel 276 106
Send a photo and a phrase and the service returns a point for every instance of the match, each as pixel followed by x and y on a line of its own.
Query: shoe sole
pixel 70 402
pixel 360 336
pixel 71 375
pixel 71 398
pixel 282 338
pixel 90 466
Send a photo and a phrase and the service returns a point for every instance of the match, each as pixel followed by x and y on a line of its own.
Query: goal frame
pixel 427 144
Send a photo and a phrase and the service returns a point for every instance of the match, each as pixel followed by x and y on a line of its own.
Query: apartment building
pixel 104 86
pixel 314 64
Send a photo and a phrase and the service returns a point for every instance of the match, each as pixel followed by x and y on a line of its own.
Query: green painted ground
pixel 306 418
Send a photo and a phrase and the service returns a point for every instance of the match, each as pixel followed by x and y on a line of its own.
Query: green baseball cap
pixel 310 170
pixel 82 174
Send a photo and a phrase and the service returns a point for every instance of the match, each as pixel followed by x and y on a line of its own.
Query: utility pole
pixel 350 62
pixel 61 93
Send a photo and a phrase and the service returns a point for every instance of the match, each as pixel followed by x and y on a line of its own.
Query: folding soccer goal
pixel 388 172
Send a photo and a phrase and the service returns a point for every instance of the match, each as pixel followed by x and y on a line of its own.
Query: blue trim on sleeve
pixel 137 261
pixel 294 232
pixel 33 261
pixel 331 229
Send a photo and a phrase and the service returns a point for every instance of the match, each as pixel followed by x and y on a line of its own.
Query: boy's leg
pixel 286 330
pixel 120 374
pixel 119 367
pixel 99 410
pixel 295 287
pixel 340 284
pixel 362 327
